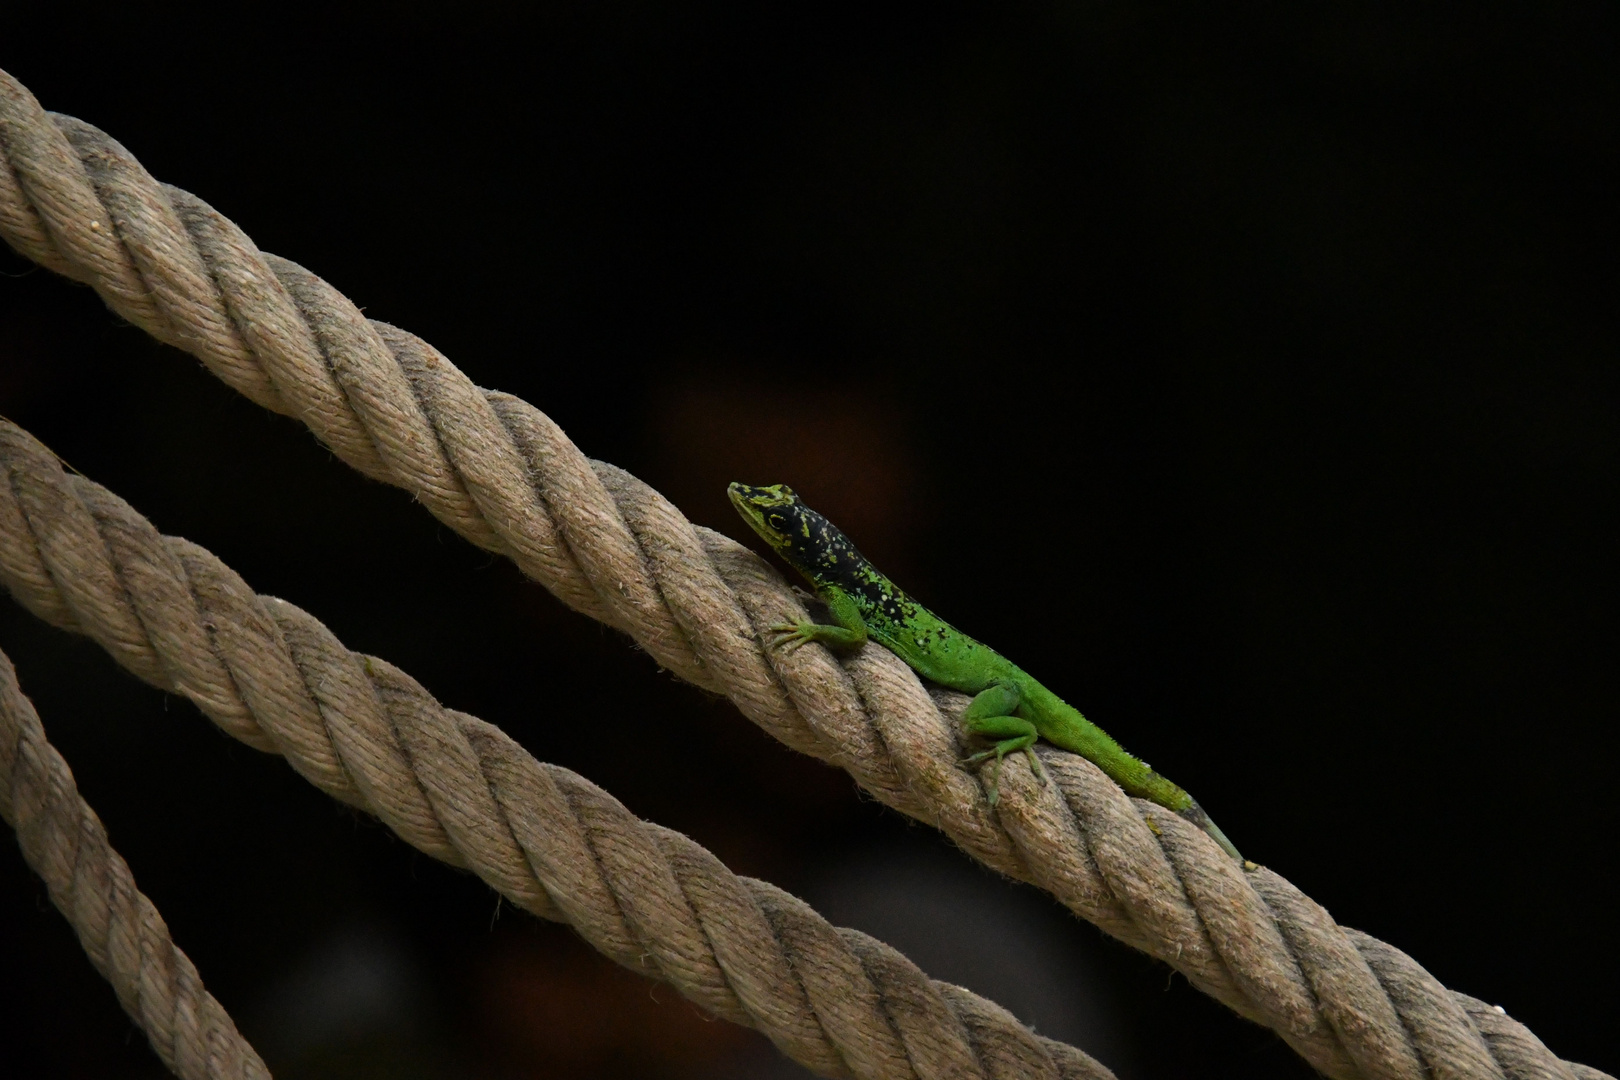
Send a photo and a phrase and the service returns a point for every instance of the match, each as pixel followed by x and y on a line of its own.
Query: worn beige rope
pixel 503 475
pixel 553 843
pixel 91 885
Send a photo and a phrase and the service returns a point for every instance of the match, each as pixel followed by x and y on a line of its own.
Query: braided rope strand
pixel 503 475
pixel 459 789
pixel 65 843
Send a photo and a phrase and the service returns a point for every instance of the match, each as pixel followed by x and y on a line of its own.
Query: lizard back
pixel 820 551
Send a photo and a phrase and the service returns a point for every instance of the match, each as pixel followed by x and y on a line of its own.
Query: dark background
pixel 1246 372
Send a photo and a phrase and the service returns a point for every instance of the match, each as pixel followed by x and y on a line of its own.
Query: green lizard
pixel 1010 708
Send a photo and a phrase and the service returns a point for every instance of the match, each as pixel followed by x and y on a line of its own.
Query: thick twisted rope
pixel 503 475
pixel 459 789
pixel 90 884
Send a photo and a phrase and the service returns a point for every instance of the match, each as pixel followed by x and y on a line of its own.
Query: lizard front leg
pixel 990 716
pixel 847 635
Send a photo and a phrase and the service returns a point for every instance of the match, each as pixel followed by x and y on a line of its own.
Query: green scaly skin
pixel 1010 708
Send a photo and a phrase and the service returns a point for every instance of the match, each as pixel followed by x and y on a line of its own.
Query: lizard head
pixel 804 539
pixel 774 512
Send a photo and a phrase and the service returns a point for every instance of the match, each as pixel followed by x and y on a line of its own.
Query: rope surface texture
pixel 90 883
pixel 456 787
pixel 503 475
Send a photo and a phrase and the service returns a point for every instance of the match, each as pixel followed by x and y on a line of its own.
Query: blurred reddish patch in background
pixel 550 1006
pixel 847 450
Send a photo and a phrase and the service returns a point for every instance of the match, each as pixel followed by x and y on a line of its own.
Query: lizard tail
pixel 1195 814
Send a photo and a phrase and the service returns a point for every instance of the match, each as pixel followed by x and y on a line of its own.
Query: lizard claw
pixel 1035 765
pixel 994 794
pixel 791 636
pixel 993 787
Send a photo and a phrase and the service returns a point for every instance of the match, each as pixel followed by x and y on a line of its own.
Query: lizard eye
pixel 777 521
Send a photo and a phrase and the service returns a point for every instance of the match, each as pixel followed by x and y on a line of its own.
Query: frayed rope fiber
pixel 122 933
pixel 503 475
pixel 556 845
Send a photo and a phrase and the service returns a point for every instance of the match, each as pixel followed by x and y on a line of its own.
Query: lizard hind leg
pixel 989 716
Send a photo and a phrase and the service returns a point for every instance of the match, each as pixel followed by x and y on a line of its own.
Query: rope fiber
pixel 65 843
pixel 504 476
pixel 457 788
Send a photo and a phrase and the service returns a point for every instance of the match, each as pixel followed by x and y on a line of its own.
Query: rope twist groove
pixel 502 474
pixel 121 931
pixel 270 674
